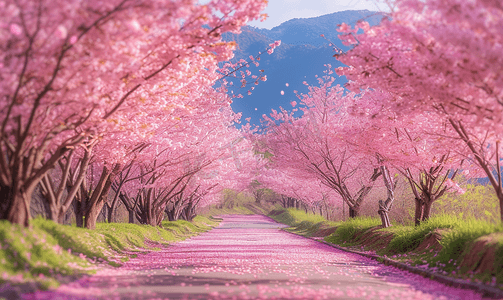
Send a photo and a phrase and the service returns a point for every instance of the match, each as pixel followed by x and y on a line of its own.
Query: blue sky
pixel 262 99
pixel 280 11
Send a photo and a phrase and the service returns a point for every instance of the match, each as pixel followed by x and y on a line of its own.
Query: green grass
pixel 293 217
pixel 407 238
pixel 48 250
pixel 347 230
pixel 458 237
pixel 300 222
pixel 478 202
pixel 457 234
pixel 459 240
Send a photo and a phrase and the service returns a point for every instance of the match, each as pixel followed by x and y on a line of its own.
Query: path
pixel 249 257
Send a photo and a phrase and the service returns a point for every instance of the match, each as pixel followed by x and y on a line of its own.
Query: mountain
pixel 302 55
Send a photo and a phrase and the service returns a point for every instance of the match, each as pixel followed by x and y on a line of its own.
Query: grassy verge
pixel 300 222
pixel 461 248
pixel 49 252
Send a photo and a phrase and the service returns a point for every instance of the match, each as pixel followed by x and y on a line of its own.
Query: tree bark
pixel 426 210
pixel 21 173
pixel 99 195
pixel 383 213
pixel 19 209
pixel 111 209
pixel 17 200
pixel 385 206
pixel 353 212
pixel 418 214
pixel 78 210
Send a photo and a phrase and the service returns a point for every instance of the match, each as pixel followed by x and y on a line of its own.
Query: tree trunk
pixel 99 195
pixel 160 217
pixel 152 220
pixel 79 209
pixel 353 213
pixel 426 210
pixel 110 211
pixel 171 214
pixel 155 216
pixel 60 216
pixel 92 215
pixel 418 216
pixel 53 190
pixel 385 206
pixel 26 169
pixel 130 206
pixel 152 215
pixel 45 204
pixel 5 196
pixel 383 213
pixel 19 209
pixel 103 213
pixel 141 210
pixel 188 210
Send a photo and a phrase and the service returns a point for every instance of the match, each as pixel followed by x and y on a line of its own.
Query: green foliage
pixel 407 238
pixel 458 237
pixel 459 233
pixel 306 224
pixel 465 232
pixel 282 215
pixel 478 202
pixel 302 216
pixel 293 217
pixel 35 255
pixel 48 249
pixel 183 229
pixel 347 230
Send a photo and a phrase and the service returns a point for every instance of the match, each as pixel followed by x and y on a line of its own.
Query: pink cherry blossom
pixel 15 29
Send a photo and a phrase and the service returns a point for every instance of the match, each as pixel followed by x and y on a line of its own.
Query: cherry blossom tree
pixel 70 68
pixel 165 174
pixel 315 143
pixel 60 190
pixel 413 146
pixel 443 58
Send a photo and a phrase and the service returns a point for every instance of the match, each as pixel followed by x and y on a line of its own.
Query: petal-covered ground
pixel 250 257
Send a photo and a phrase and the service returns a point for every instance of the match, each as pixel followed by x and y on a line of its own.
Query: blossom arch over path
pixel 249 257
